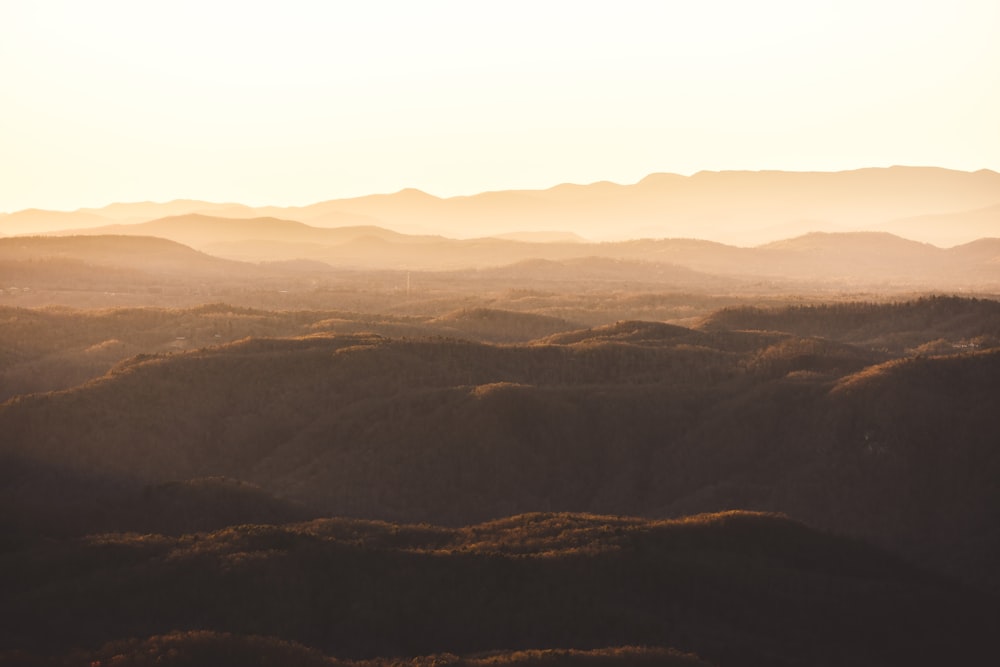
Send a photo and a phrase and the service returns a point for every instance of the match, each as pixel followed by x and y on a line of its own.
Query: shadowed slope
pixel 636 418
pixel 952 320
pixel 221 649
pixel 736 588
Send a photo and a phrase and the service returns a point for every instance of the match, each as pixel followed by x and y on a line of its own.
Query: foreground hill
pixel 222 649
pixel 635 418
pixel 736 588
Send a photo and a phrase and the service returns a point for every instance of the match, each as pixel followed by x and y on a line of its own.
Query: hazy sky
pixel 295 102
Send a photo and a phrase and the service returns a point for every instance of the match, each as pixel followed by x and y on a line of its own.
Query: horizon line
pixel 420 191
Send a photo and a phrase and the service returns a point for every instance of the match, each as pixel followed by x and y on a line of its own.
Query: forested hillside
pixel 228 485
pixel 735 588
pixel 635 418
pixel 939 324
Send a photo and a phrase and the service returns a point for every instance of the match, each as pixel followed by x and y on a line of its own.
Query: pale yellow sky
pixel 296 102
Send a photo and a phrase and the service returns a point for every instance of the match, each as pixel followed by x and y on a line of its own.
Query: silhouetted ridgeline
pixel 735 588
pixel 745 207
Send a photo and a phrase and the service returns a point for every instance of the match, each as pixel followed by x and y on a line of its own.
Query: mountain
pixel 948 229
pixel 736 207
pixel 35 221
pixel 726 206
pixel 984 251
pixel 272 239
pixel 732 207
pixel 374 270
pixel 131 212
pixel 849 257
pixel 129 271
pixel 144 254
pixel 205 231
pixel 846 259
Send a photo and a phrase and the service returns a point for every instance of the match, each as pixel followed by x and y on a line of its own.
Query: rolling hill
pixel 334 488
pixel 145 254
pixel 633 419
pixel 204 231
pixel 898 327
pixel 816 261
pixel 735 588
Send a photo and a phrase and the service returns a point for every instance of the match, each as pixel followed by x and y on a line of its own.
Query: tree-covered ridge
pixel 197 648
pixel 632 418
pixel 736 588
pixel 56 348
pixel 942 323
pixel 331 487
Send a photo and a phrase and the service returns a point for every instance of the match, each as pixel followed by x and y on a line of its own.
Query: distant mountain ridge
pixel 842 260
pixel 737 207
pixel 200 230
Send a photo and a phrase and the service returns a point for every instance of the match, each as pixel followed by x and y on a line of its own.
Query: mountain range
pixel 926 204
pixel 849 260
